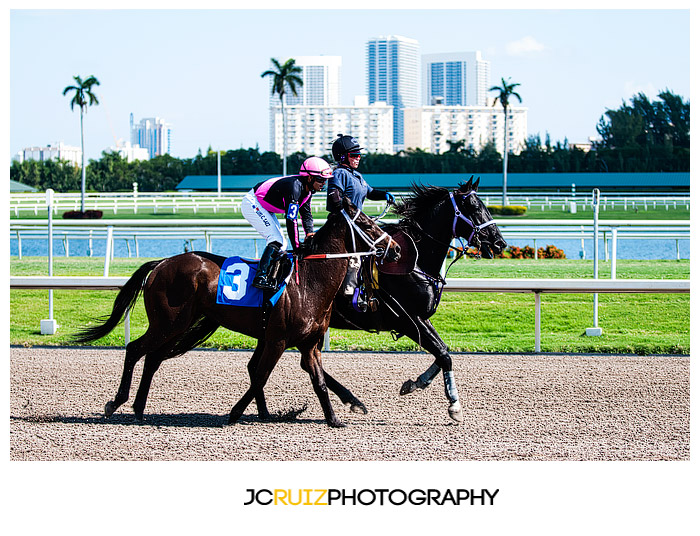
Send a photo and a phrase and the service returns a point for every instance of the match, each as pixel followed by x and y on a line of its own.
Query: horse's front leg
pixel 422 381
pixel 260 402
pixel 269 356
pixel 311 363
pixel 428 338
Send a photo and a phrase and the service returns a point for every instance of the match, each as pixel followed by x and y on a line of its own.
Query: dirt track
pixel 521 407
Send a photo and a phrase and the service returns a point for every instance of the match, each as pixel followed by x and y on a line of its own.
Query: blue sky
pixel 200 69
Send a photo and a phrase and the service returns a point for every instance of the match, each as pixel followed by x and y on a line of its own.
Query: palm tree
pixel 505 92
pixel 82 97
pixel 284 76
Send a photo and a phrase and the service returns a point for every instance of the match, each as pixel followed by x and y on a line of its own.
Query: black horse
pixel 430 218
pixel 180 300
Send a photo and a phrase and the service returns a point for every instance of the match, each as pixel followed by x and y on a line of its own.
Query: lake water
pixel 639 249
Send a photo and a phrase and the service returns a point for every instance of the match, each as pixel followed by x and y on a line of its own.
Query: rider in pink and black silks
pixel 290 196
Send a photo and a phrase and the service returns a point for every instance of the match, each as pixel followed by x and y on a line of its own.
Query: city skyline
pixel 572 65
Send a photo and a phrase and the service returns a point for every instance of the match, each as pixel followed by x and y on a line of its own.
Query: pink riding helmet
pixel 316 168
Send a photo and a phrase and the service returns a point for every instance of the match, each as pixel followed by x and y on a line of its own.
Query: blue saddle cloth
pixel 236 284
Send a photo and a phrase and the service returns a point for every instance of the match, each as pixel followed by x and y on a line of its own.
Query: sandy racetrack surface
pixel 517 407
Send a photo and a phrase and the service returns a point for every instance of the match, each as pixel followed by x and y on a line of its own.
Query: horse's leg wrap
pixel 423 380
pixel 455 409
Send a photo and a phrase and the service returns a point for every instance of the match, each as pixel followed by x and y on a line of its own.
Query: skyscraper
pixel 321 87
pixel 321 76
pixel 393 75
pixel 152 133
pixel 455 79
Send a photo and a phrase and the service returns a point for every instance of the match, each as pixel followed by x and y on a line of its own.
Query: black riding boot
pixel 351 290
pixel 262 277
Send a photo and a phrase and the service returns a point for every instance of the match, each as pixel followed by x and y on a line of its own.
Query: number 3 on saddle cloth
pixel 235 285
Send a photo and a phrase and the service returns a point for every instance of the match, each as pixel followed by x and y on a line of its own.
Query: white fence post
pixel 108 249
pixel 613 258
pixel 49 325
pixel 595 331
pixel 538 321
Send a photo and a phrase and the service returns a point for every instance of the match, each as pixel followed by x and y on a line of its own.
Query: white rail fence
pixel 229 202
pixel 132 231
pixel 535 286
pixel 151 202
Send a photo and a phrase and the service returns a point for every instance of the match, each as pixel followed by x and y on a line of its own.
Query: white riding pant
pixel 262 220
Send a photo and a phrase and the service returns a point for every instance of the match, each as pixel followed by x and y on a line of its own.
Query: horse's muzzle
pixel 489 251
pixel 394 253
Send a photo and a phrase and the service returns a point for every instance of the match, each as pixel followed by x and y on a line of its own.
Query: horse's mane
pixel 423 202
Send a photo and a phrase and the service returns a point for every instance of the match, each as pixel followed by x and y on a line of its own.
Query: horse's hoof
pixel 358 407
pixel 336 424
pixel 455 411
pixel 110 408
pixel 408 387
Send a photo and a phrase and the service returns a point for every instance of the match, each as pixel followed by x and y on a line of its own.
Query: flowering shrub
pixel 528 252
pixel 77 215
pixel 508 210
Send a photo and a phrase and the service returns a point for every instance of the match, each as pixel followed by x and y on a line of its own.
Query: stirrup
pixel 358 301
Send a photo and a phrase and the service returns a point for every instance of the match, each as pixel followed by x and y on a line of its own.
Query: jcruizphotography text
pixel 367 497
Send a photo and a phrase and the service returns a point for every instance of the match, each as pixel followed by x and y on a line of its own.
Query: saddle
pixel 368 276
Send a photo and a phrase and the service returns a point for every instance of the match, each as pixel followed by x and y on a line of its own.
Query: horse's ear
pixel 475 186
pixel 466 187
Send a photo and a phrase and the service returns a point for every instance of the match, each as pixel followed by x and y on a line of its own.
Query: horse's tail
pixel 125 301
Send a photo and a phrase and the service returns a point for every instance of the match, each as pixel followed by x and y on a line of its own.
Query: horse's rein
pixel 363 235
pixel 372 244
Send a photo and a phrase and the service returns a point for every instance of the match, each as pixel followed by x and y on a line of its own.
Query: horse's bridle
pixel 459 216
pixel 372 244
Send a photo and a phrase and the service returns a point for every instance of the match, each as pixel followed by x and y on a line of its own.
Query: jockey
pixel 290 196
pixel 348 182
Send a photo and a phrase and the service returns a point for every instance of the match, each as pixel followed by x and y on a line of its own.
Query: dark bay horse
pixel 180 299
pixel 431 217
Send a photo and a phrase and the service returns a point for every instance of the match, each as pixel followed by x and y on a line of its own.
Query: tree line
pixel 642 136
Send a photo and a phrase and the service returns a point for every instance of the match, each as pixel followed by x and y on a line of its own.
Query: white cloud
pixel 526 45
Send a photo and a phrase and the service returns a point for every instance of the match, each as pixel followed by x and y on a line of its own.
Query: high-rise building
pixel 320 87
pixel 57 151
pixel 312 129
pixel 321 77
pixel 455 79
pixel 435 128
pixel 129 152
pixel 393 76
pixel 153 134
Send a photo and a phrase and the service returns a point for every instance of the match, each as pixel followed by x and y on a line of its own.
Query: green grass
pixel 471 322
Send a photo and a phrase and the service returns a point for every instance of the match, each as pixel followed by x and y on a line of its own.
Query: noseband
pixel 459 216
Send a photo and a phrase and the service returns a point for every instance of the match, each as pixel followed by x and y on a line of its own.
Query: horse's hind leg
pixel 311 363
pixel 345 395
pixel 135 350
pixel 150 366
